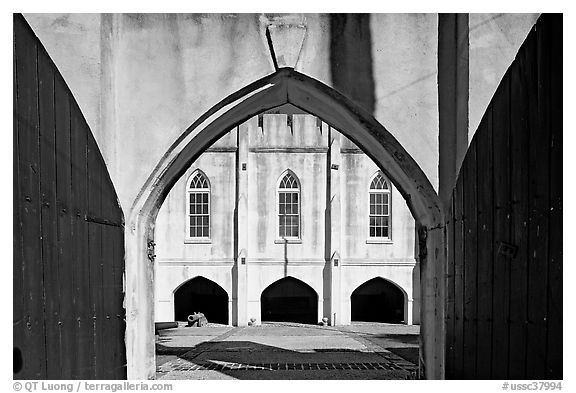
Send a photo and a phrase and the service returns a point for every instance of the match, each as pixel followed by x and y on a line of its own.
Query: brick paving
pixel 284 351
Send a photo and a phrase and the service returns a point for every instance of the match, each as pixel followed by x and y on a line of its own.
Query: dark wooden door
pixel 504 281
pixel 68 231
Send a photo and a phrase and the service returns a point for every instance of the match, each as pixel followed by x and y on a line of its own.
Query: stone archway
pixel 289 300
pixel 200 294
pixel 378 300
pixel 285 86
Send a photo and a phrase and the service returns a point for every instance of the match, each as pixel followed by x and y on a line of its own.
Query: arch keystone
pixel 285 37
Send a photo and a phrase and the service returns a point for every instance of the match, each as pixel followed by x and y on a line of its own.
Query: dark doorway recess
pixel 201 295
pixel 378 300
pixel 289 300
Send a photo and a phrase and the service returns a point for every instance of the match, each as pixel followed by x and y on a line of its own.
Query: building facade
pixel 325 232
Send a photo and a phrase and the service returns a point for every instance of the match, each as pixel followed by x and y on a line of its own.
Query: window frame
pixel 207 190
pixel 279 190
pixel 386 191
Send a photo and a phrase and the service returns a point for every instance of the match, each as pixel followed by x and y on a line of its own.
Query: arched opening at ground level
pixel 282 87
pixel 378 300
pixel 289 300
pixel 201 295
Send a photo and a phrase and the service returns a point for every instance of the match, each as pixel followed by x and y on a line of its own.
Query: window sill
pixel 379 241
pixel 289 241
pixel 197 241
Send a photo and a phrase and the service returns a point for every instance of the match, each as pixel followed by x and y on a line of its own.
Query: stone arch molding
pixel 357 284
pixel 300 277
pixel 406 300
pixel 184 282
pixel 283 86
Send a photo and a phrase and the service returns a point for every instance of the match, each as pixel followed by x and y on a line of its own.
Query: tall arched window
pixel 289 207
pixel 198 206
pixel 379 202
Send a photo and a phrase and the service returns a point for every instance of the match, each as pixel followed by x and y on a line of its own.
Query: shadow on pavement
pixel 249 360
pixel 398 338
pixel 407 353
pixel 405 345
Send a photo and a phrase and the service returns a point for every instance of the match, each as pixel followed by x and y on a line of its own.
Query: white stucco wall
pixel 405 64
pixel 267 161
pixel 494 43
pixel 356 172
pixel 178 260
pixel 171 224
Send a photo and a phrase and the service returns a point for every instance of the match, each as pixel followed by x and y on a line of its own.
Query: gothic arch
pixel 284 86
pixel 201 277
pixel 379 299
pixel 200 294
pixel 364 281
pixel 300 277
pixel 198 197
pixel 379 207
pixel 374 175
pixel 286 172
pixel 289 300
pixel 197 171
pixel 291 278
pixel 288 206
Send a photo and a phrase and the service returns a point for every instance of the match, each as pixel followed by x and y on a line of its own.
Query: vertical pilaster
pixel 453 82
pixel 409 308
pixel 240 271
pixel 333 172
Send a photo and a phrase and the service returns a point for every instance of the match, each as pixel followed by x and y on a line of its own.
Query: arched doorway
pixel 284 86
pixel 378 300
pixel 201 295
pixel 289 300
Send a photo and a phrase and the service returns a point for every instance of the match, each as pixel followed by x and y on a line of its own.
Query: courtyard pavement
pixel 279 350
